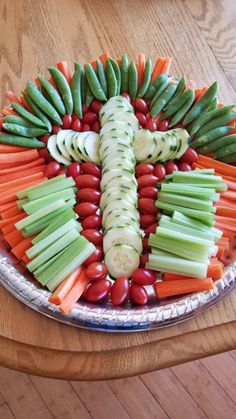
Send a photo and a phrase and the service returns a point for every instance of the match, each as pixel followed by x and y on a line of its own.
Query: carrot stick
pixel 14 238
pixel 118 61
pixel 25 259
pixel 226 212
pixel 11 96
pixel 64 69
pixel 61 292
pixel 23 103
pixel 4 223
pixel 22 174
pixel 223 225
pixel 220 167
pixel 170 288
pixel 140 67
pixel 24 166
pixel 166 66
pixel 94 65
pixel 231 195
pixel 9 196
pixel 24 156
pixel 221 252
pixel 75 293
pixel 5 148
pixel 157 68
pixel 223 219
pixel 8 111
pixel 202 93
pixel 4 207
pixel 103 58
pixel 20 249
pixel 220 105
pixel 9 228
pixel 224 203
pixel 20 182
pixel 215 270
pixel 11 212
pixel 226 232
pixel 197 92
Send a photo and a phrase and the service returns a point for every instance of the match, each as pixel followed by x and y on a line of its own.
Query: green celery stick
pixel 177 265
pixel 188 202
pixel 191 191
pixel 22 194
pixel 48 263
pixel 170 225
pixel 38 215
pixel 200 171
pixel 203 216
pixel 194 177
pixel 21 202
pixel 52 188
pixel 36 204
pixel 184 220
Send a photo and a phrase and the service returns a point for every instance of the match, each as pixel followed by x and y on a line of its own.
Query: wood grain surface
pixel 200 36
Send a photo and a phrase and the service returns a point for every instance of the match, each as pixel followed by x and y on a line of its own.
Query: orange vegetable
pixel 11 212
pixel 8 111
pixel 24 166
pixel 8 196
pixel 75 293
pixel 12 220
pixel 20 249
pixel 190 85
pixel 157 68
pixel 220 167
pixel 226 231
pixel 202 93
pixel 5 148
pixel 231 195
pixel 140 67
pixel 51 80
pixel 118 61
pixel 19 174
pixel 23 103
pixel 64 68
pixel 61 292
pixel 220 105
pixel 197 92
pixel 24 156
pixel 103 58
pixel 11 96
pixel 14 238
pixel 9 228
pixel 226 212
pixel 4 207
pixel 166 66
pixel 8 186
pixel 25 259
pixel 94 65
pixel 215 271
pixel 224 203
pixel 166 289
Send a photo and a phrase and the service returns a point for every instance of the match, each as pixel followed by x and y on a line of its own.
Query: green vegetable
pixel 24 192
pixel 227 150
pixel 24 131
pixel 163 99
pixel 102 76
pixel 88 94
pixel 190 190
pixel 212 135
pixel 206 117
pixel 76 92
pixel 32 206
pixel 203 216
pixel 220 143
pixel 27 115
pixel 146 78
pixel 201 104
pixel 53 95
pixel 20 141
pixel 94 83
pixel 165 262
pixel 170 225
pixel 228 159
pixel 63 87
pixel 133 80
pixel 184 201
pixel 184 220
pixel 124 71
pixel 215 123
pixel 37 215
pixel 178 116
pixel 42 103
pixel 50 188
pixel 162 88
pixel 18 120
pixel 116 69
pixel 154 86
pixel 38 112
pixel 180 87
pixel 175 105
pixel 111 80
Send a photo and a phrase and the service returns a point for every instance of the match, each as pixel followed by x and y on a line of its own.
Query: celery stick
pixel 177 265
pixel 21 202
pixel 52 188
pixel 54 249
pixel 195 177
pixel 40 214
pixel 22 194
pixel 203 216
pixel 184 220
pixel 37 204
pixel 190 190
pixel 186 201
pixel 48 263
pixel 186 230
pixel 164 232
pixel 200 171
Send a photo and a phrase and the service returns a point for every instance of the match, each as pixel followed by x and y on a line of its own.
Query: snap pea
pixel 79 66
pixel 228 159
pixel 212 105
pixel 133 80
pixel 27 115
pixel 111 80
pixel 124 71
pixel 21 141
pixel 88 94
pixel 63 87
pixel 212 135
pixel 180 87
pixel 116 69
pixel 175 105
pixel 42 103
pixel 13 119
pixel 38 112
pixel 53 95
pixel 201 104
pixel 163 100
pixel 102 76
pixel 76 93
pixel 94 83
pixel 178 116
pixel 152 89
pixel 217 144
pixel 215 123
pixel 208 116
pixel 146 78
pixel 24 131
pixel 226 151
pixel 161 89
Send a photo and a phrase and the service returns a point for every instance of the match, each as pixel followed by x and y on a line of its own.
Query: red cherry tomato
pixel 43 152
pixel 144 260
pixel 92 221
pixel 87 181
pixel 184 167
pixel 90 117
pixel 189 156
pixel 163 125
pixel 146 246
pixel 151 125
pixel 85 209
pixel 96 270
pixel 138 294
pixel 143 169
pixel 67 121
pixel 52 169
pixel 88 195
pixel 93 236
pixel 95 257
pixel 56 129
pixel 144 276
pixel 148 116
pixel 86 127
pixel 98 290
pixel 74 170
pixel 148 192
pixel 140 106
pixel 159 171
pixel 96 127
pixel 147 206
pixel 120 291
pixel 91 169
pixel 44 138
pixel 147 180
pixel 171 167
pixel 76 125
pixel 126 95
pixel 141 119
pixel 95 106
pixel 147 219
pixel 151 229
pixel 74 116
pixel 85 108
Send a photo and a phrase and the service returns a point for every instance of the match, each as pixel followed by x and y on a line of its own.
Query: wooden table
pixel 199 35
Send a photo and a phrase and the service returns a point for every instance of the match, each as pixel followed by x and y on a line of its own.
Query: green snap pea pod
pixel 209 116
pixel 146 78
pixel 124 71
pixel 79 66
pixel 53 95
pixel 212 135
pixel 24 131
pixel 38 112
pixel 88 94
pixel 212 105
pixel 159 92
pixel 94 83
pixel 111 80
pixel 133 80
pixel 228 159
pixel 102 76
pixel 13 119
pixel 175 105
pixel 76 93
pixel 116 69
pixel 226 151
pixel 154 86
pixel 27 115
pixel 215 123
pixel 180 87
pixel 178 116
pixel 42 103
pixel 63 87
pixel 163 100
pixel 201 104
pixel 217 144
pixel 21 141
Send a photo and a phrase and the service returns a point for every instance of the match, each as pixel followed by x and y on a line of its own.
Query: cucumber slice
pixel 122 220
pixel 158 149
pixel 114 125
pixel 107 197
pixel 121 181
pixel 116 151
pixel 111 173
pixel 121 205
pixel 112 103
pixel 121 107
pixel 122 235
pixel 105 145
pixel 166 140
pixel 53 151
pixel 110 137
pixel 68 142
pixel 144 144
pixel 61 135
pixel 121 260
pixel 78 143
pixel 118 163
pixel 91 146
pixel 184 140
pixel 128 117
pixel 115 148
pixel 173 147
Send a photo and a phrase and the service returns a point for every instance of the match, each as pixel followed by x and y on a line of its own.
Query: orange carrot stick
pixel 166 289
pixel 202 93
pixel 140 67
pixel 11 96
pixel 19 174
pixel 24 156
pixel 8 186
pixel 226 212
pixel 220 167
pixel 11 212
pixel 94 65
pixel 4 207
pixel 12 220
pixel 24 166
pixel 20 249
pixel 190 85
pixel 8 111
pixel 103 58
pixel 214 271
pixel 23 103
pixel 75 293
pixel 5 148
pixel 9 228
pixel 61 292
pixel 231 195
pixel 226 232
pixel 9 196
pixel 64 68
pixel 224 219
pixel 224 203
pixel 157 68
pixel 220 105
pixel 14 238
pixel 25 259
pixel 166 66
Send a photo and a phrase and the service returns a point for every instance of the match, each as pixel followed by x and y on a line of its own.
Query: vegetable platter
pixel 117 194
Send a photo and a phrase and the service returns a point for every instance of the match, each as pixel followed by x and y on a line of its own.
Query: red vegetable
pixel 52 169
pixel 171 167
pixel 92 221
pixel 184 167
pixel 91 169
pixel 159 171
pixel 88 195
pixel 67 121
pixel 151 229
pixel 148 192
pixel 146 246
pixel 143 169
pixel 141 119
pixel 120 291
pixel 140 106
pixel 144 276
pixel 95 257
pixel 147 180
pixel 87 181
pixel 96 270
pixel 144 260
pixel 76 125
pixel 96 127
pixel 44 138
pixel 98 290
pixel 138 294
pixel 147 219
pixel 43 152
pixel 85 108
pixel 151 125
pixel 92 235
pixel 74 170
pixel 95 106
pixel 85 208
pixel 147 206
pixel 163 125
pixel 56 129
pixel 126 95
pixel 86 127
pixel 90 117
pixel 189 156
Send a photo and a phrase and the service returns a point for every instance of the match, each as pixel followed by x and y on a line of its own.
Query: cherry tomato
pixel 140 106
pixel 184 167
pixel 67 121
pixel 96 270
pixel 144 276
pixel 76 125
pixel 151 229
pixel 147 219
pixel 143 169
pixel 141 119
pixel 144 260
pixel 92 221
pixel 159 171
pixel 85 108
pixel 90 117
pixel 98 290
pixel 86 127
pixel 56 129
pixel 147 206
pixel 151 125
pixel 189 156
pixel 91 169
pixel 147 180
pixel 88 195
pixel 120 291
pixel 52 169
pixel 163 125
pixel 148 192
pixel 171 167
pixel 44 138
pixel 96 127
pixel 126 95
pixel 95 257
pixel 95 106
pixel 43 152
pixel 138 294
pixel 74 170
pixel 146 246
pixel 85 209
pixel 87 181
pixel 93 236
pixel 148 116
pixel 74 116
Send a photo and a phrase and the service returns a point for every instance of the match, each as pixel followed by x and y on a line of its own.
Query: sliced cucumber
pixel 69 145
pixel 109 174
pixel 184 139
pixel 61 135
pixel 122 235
pixel 121 205
pixel 144 144
pixel 52 149
pixel 91 147
pixel 116 149
pixel 121 260
pixel 110 137
pixel 121 220
pixel 114 125
pixel 119 163
pixel 121 107
pixel 121 181
pixel 128 117
pixel 107 197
